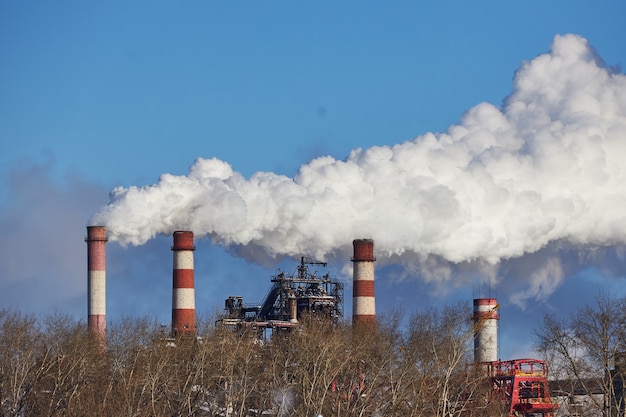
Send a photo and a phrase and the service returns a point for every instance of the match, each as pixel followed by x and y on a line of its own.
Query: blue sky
pixel 99 95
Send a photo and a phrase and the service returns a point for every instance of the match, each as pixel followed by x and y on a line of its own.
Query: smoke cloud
pixel 39 269
pixel 547 166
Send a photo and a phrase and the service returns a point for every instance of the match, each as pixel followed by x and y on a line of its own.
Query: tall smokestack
pixel 96 281
pixel 183 296
pixel 486 318
pixel 363 301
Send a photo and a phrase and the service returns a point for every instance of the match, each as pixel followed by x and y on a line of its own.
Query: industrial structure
pixel 289 298
pixel 96 282
pixel 521 385
pixel 183 292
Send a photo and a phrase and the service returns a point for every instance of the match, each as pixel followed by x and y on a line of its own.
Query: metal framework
pixel 289 298
pixel 523 385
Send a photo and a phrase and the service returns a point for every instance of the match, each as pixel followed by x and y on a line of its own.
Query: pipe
pixel 293 307
pixel 183 295
pixel 96 282
pixel 363 300
pixel 486 318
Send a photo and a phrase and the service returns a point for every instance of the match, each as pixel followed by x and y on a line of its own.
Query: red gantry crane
pixel 523 385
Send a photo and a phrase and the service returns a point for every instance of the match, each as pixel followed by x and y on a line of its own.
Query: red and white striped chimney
pixel 183 296
pixel 486 318
pixel 96 281
pixel 363 300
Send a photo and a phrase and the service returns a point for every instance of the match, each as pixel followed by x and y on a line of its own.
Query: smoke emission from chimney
pixel 547 166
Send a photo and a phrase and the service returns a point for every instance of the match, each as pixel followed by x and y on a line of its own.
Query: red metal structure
pixel 523 385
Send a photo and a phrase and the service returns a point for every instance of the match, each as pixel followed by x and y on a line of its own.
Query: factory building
pixel 291 296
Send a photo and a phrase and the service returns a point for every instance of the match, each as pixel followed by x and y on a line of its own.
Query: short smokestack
pixel 363 300
pixel 96 282
pixel 486 318
pixel 293 308
pixel 183 296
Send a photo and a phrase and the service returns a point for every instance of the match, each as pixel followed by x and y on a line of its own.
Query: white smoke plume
pixel 547 166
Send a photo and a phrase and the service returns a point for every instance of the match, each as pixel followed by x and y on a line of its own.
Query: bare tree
pixel 137 354
pixel 231 371
pixel 304 364
pixel 585 351
pixel 320 367
pixel 443 382
pixel 70 363
pixel 24 361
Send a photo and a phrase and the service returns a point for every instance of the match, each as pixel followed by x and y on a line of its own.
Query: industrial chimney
pixel 96 282
pixel 183 296
pixel 486 318
pixel 363 301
